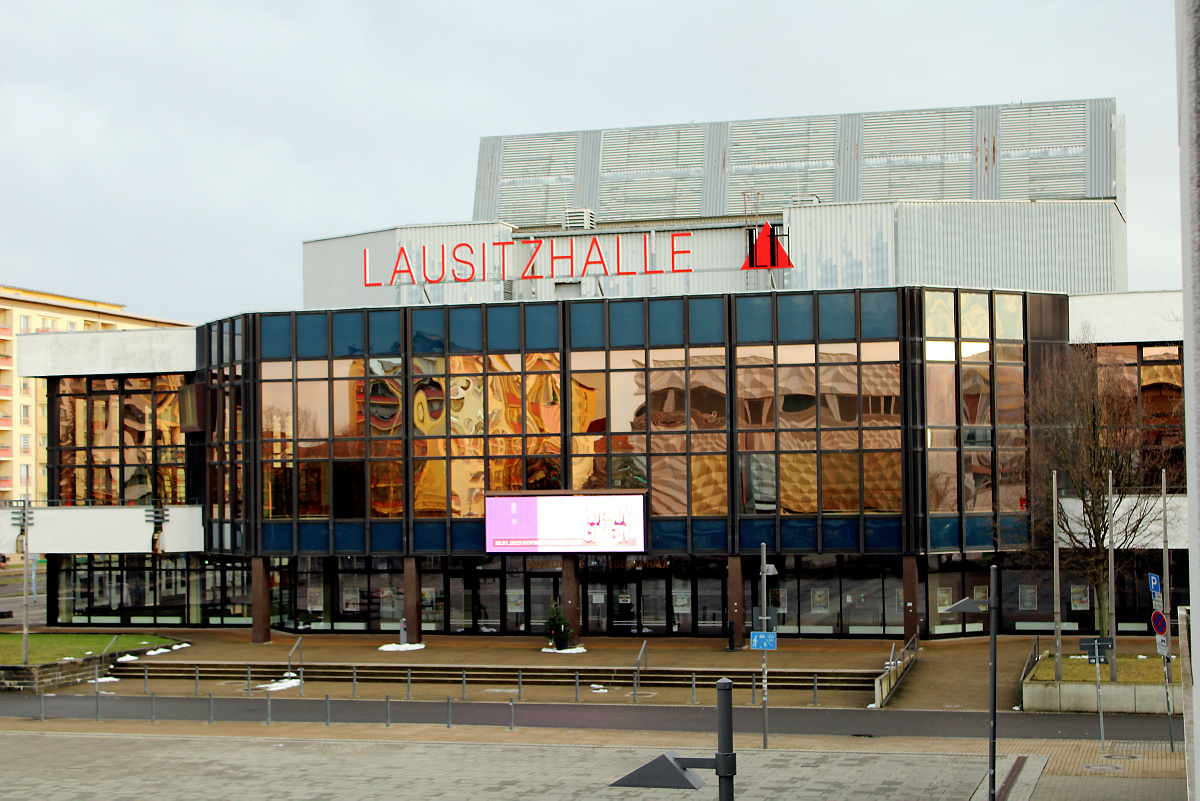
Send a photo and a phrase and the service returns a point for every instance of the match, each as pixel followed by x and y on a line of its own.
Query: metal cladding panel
pixel 1043 151
pixel 1101 179
pixel 335 277
pixel 546 199
pixel 916 132
pixel 487 178
pixel 923 178
pixel 626 196
pixel 1119 137
pixel 587 171
pixel 985 169
pixel 716 170
pixel 1066 248
pixel 547 154
pixel 848 181
pixel 919 154
pixel 841 245
pixel 668 147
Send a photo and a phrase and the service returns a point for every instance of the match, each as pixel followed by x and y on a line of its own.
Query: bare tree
pixel 1086 421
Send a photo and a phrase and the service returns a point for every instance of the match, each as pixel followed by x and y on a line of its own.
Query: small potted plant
pixel 558 628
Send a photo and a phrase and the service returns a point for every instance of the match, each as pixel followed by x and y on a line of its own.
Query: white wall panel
pixel 91 529
pixel 147 350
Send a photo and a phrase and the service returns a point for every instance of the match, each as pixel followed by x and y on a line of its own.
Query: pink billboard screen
pixel 565 524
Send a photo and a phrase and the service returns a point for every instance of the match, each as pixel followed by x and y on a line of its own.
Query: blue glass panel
pixel 837 315
pixel 839 533
pixel 625 324
pixel 429 330
pixel 237 536
pixel 503 329
pixel 795 318
pixel 668 535
pixel 979 533
pixel 348 334
pixel 349 537
pixel 752 533
pixel 466 329
pixel 879 315
pixel 429 536
pixel 386 331
pixel 387 536
pixel 312 336
pixel 754 318
pixel 587 325
pixel 466 535
pixel 944 534
pixel 277 537
pixel 275 331
pixel 706 321
pixel 1014 532
pixel 798 534
pixel 314 537
pixel 883 534
pixel 541 327
pixel 666 322
pixel 710 535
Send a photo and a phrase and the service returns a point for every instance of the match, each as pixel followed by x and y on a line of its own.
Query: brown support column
pixel 912 616
pixel 570 594
pixel 412 598
pixel 736 588
pixel 260 600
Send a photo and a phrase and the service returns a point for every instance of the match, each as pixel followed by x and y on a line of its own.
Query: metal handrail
pixel 111 643
pixel 1034 657
pixel 895 672
pixel 643 651
pixel 299 644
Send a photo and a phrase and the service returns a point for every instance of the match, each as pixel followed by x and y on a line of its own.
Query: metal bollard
pixel 268 709
pixel 326 709
pixel 511 714
pixel 153 713
pixel 447 711
pixel 577 686
pixel 464 695
pixel 42 707
pixel 96 679
pixel 753 694
pixel 247 681
pixel 815 690
pixel 197 680
pixel 408 679
pixel 387 711
pixel 97 707
pixel 519 686
pixel 210 709
pixel 145 679
pixel 354 681
pixel 693 688
pixel 636 677
pixel 301 681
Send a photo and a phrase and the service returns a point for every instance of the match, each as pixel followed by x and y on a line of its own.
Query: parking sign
pixel 1155 584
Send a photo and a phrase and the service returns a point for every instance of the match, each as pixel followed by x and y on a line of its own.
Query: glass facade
pixel 846 431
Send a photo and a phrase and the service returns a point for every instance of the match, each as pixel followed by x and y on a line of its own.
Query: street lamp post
pixel 764 570
pixel 970 605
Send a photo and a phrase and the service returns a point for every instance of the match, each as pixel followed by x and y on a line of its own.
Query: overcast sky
pixel 172 157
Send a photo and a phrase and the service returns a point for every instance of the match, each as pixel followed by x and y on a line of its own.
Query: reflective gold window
pixel 670 490
pixel 544 399
pixel 977 481
pixel 881 482
pixel 973 313
pixel 976 394
pixel 756 397
pixel 943 481
pixel 1010 317
pixel 798 483
pixel 543 473
pixel 589 403
pixel 797 397
pixel 429 488
pixel 757 482
pixel 1011 466
pixel 839 482
pixel 627 397
pixel 706 395
pixel 349 404
pixel 312 493
pixel 940 395
pixel 939 314
pixel 881 394
pixel 1010 396
pixel 387 488
pixel 504 406
pixel 505 475
pixel 466 487
pixel 466 405
pixel 839 395
pixel 710 485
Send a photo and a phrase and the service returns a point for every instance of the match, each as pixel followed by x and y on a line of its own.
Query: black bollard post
pixel 210 709
pixel 693 688
pixel 197 682
pixel 447 711
pixel 511 714
pixel 354 681
pixel 301 681
pixel 815 690
pixel 753 691
pixel 97 704
pixel 726 758
pixel 577 686
pixel 145 679
pixel 520 688
pixel 409 682
pixel 387 711
pixel 464 677
pixel 729 630
pixel 247 681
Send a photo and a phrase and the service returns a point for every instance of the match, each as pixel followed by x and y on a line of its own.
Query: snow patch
pixel 282 684
pixel 578 649
pixel 601 690
pixel 102 680
pixel 158 651
pixel 179 645
pixel 408 646
pixel 126 658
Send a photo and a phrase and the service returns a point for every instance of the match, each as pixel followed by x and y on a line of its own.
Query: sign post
pixel 1162 638
pixel 1097 649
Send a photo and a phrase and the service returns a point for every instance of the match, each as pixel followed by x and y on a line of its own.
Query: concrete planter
pixel 39 678
pixel 1079 696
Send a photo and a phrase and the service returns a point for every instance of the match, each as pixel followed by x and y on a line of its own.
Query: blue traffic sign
pixel 762 640
pixel 1155 585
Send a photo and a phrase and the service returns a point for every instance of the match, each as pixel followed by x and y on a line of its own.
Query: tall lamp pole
pixel 971 606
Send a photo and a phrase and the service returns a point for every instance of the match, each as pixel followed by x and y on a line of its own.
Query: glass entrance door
pixel 654 606
pixel 625 607
pixel 542 592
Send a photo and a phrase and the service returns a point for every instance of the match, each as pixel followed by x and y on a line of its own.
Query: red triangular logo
pixel 762 253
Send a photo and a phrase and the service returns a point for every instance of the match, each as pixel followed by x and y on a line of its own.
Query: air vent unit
pixel 579 219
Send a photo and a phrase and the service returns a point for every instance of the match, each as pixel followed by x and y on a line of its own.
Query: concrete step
pixel 493 674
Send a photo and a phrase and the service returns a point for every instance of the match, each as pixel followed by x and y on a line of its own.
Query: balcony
pixel 5 332
pixel 5 390
pixel 5 483
pixel 5 451
pixel 5 361
pixel 5 423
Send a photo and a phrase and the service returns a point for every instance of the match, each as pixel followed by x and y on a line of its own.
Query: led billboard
pixel 565 523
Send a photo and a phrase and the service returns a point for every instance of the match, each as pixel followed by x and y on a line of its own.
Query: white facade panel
pixel 91 529
pixel 841 245
pixel 147 350
pixel 1127 317
pixel 184 530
